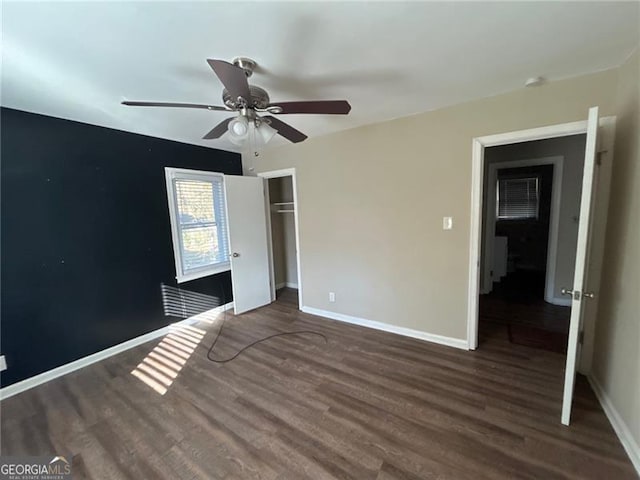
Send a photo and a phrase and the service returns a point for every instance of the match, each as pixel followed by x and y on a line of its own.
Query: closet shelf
pixel 282 203
pixel 285 211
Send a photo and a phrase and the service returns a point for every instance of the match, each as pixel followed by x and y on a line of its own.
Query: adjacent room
pixel 530 218
pixel 363 240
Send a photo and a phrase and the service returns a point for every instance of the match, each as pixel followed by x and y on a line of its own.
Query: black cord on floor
pixel 244 349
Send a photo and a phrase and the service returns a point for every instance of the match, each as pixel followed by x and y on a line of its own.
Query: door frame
pixel 554 221
pixel 286 172
pixel 478 145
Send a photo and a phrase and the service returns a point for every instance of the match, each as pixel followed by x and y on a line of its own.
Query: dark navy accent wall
pixel 86 239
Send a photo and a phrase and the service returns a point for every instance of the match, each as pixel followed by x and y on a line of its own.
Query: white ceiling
pixel 79 60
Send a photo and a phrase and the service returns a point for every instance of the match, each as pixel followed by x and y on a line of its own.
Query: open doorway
pixel 589 245
pixel 281 204
pixel 531 207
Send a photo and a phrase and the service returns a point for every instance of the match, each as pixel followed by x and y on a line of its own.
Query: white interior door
pixel 579 292
pixel 247 225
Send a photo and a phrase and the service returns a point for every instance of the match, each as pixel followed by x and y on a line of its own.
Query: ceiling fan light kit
pixel 248 100
pixel 267 132
pixel 238 127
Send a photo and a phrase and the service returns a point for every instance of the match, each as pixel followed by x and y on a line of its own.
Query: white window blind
pixel 518 198
pixel 198 223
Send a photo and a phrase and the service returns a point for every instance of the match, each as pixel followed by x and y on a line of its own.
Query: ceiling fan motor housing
pixel 246 64
pixel 259 98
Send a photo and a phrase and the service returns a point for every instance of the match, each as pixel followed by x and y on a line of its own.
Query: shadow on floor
pixel 516 308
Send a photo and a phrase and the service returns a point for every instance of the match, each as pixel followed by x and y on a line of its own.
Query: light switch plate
pixel 3 363
pixel 447 223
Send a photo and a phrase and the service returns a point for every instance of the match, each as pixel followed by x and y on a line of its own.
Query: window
pixel 198 223
pixel 518 198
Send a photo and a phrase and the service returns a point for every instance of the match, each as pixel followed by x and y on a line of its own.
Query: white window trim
pixel 170 174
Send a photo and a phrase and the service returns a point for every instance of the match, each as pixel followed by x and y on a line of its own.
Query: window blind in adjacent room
pixel 518 198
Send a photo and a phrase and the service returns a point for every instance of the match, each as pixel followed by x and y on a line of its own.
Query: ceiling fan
pixel 249 101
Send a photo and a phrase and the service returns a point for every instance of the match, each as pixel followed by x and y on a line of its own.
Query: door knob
pixel 235 255
pixel 589 294
pixel 575 294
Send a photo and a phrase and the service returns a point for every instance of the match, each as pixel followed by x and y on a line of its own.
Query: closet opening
pixel 280 194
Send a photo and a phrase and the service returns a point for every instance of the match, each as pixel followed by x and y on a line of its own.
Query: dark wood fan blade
pixel 218 130
pixel 175 105
pixel 327 107
pixel 287 131
pixel 233 78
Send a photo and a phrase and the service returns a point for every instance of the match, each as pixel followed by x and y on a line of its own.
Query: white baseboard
pixel 624 434
pixel 407 332
pixel 291 285
pixel 44 377
pixel 280 285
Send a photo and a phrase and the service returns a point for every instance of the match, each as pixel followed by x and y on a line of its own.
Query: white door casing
pixel 286 172
pixel 603 178
pixel 248 243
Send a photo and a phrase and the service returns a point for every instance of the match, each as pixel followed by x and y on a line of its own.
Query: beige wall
pixel 289 238
pixel 616 364
pixel 371 202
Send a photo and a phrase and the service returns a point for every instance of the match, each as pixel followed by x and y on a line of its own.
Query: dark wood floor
pixel 517 303
pixel 366 405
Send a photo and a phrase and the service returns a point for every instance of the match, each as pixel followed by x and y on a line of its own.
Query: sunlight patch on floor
pixel 160 368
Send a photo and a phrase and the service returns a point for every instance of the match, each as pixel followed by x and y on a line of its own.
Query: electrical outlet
pixel 3 363
pixel 447 223
pixel 332 297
